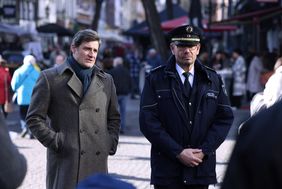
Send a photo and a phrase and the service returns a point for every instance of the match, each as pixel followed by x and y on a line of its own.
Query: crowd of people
pixel 184 123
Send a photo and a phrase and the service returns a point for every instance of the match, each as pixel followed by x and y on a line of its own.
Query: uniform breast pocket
pixel 164 98
pixel 211 98
pixel 212 95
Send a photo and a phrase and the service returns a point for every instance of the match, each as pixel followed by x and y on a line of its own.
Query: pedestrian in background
pixel 13 165
pixel 238 86
pixel 23 81
pixel 253 84
pixel 153 60
pixel 255 162
pixel 185 114
pixel 5 83
pixel 122 82
pixel 74 113
pixel 134 67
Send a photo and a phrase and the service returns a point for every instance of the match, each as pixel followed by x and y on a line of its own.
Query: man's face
pixel 86 53
pixel 185 55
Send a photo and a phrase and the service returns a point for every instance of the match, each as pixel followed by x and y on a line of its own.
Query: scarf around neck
pixel 84 74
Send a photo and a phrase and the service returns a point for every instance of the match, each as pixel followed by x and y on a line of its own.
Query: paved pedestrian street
pixel 131 163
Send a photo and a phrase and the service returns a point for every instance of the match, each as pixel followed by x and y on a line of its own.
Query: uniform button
pixel 97 109
pixel 98 153
pixel 190 104
pixel 190 122
pixel 96 131
pixel 82 152
pixel 159 96
pixel 185 181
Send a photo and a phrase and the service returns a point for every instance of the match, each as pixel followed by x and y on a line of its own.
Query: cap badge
pixel 189 29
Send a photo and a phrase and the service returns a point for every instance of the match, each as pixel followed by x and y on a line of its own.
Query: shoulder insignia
pixel 157 68
pixel 209 68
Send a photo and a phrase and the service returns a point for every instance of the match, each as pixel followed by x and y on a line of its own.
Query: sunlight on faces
pixel 86 53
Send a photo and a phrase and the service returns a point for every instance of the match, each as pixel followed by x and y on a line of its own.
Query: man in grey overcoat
pixel 74 113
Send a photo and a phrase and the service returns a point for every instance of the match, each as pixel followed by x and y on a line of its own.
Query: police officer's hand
pixel 191 157
pixel 200 155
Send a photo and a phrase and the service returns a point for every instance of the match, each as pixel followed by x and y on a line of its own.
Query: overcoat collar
pixel 76 85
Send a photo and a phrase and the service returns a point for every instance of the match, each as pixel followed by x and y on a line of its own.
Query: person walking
pixel 122 82
pixel 74 114
pixel 5 83
pixel 185 113
pixel 23 81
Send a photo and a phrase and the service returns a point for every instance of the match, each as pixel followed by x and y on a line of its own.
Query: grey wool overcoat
pixel 79 131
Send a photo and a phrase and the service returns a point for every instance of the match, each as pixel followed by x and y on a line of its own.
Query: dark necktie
pixel 187 86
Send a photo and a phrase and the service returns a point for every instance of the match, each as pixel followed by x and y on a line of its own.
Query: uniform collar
pixel 180 72
pixel 170 68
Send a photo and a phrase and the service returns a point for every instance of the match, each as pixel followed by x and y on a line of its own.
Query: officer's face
pixel 185 55
pixel 86 53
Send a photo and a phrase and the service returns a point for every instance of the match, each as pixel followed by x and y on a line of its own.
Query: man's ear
pixel 72 48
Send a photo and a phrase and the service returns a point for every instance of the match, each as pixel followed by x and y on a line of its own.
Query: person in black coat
pixel 185 118
pixel 122 80
pixel 13 165
pixel 256 161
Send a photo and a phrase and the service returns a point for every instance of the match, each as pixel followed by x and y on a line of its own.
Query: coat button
pixel 96 131
pixel 185 181
pixel 190 104
pixel 97 109
pixel 190 122
pixel 98 153
pixel 82 152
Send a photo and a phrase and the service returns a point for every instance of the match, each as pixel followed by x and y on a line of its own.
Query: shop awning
pixel 170 24
pixel 254 16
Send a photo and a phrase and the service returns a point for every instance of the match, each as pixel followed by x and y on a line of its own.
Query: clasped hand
pixel 191 157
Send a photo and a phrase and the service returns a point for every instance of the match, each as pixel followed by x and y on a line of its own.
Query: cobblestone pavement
pixel 131 163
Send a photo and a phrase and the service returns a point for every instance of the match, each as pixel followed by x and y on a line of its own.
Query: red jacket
pixel 4 73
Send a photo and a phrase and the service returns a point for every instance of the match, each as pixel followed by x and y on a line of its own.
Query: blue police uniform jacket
pixel 164 121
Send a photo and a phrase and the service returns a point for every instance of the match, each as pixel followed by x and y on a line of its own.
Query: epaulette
pixel 157 68
pixel 209 68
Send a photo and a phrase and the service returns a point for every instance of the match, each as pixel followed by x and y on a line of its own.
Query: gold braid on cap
pixel 185 39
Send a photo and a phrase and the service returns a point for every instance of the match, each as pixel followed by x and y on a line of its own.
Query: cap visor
pixel 186 43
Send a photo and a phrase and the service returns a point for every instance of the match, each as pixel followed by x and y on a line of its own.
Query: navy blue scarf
pixel 84 74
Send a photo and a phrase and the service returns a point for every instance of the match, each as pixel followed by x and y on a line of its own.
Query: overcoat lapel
pixel 96 84
pixel 75 84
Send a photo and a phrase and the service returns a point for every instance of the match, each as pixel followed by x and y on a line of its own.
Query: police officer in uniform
pixel 185 113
